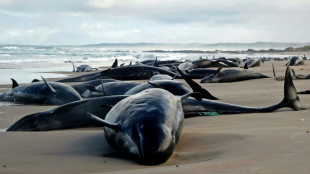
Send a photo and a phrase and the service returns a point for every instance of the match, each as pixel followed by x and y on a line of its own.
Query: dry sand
pixel 275 142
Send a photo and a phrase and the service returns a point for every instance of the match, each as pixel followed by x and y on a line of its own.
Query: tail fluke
pixel 291 99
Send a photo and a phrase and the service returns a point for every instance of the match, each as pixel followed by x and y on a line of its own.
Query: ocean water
pixel 27 62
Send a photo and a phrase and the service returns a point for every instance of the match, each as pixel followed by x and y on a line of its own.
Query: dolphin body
pixel 249 63
pixel 206 63
pixel 87 87
pixel 71 115
pixel 82 68
pixel 295 61
pixel 145 126
pixel 114 88
pixel 52 93
pixel 291 100
pixel 134 72
pixel 200 73
pixel 82 78
pixel 67 116
pixel 232 75
pixel 174 87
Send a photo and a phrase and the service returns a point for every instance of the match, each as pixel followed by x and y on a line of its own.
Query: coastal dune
pixel 276 142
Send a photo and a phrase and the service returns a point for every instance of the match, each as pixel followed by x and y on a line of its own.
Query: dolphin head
pixel 154 142
pixel 149 141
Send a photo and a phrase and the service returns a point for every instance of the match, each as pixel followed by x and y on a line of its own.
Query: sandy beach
pixel 276 142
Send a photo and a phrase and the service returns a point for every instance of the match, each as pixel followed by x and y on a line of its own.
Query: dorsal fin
pixel 216 73
pixel 73 66
pixel 274 73
pixel 49 86
pixel 155 62
pixel 105 123
pixel 102 85
pixel 196 95
pixel 14 83
pixel 246 66
pixel 35 80
pixel 115 63
pixel 130 63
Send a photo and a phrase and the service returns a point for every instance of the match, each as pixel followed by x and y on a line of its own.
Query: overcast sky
pixel 159 21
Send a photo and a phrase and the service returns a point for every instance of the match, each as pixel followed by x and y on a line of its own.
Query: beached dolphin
pixel 67 116
pixel 145 126
pixel 84 89
pixel 82 78
pixel 71 115
pixel 113 88
pixel 249 63
pixel 51 93
pixel 82 68
pixel 291 99
pixel 295 61
pixel 199 73
pixel 228 62
pixel 206 63
pixel 134 72
pixel 175 87
pixel 232 75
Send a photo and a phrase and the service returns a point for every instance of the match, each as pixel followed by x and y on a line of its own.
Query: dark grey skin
pixel 82 68
pixel 206 63
pixel 291 99
pixel 199 73
pixel 82 78
pixel 71 115
pixel 145 126
pixel 232 75
pixel 249 63
pixel 295 61
pixel 229 62
pixel 68 116
pixel 134 72
pixel 175 87
pixel 85 88
pixel 52 93
pixel 114 88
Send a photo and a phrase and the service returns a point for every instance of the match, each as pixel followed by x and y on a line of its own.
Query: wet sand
pixel 275 142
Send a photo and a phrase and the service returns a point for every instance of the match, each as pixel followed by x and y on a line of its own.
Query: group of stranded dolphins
pixel 141 120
